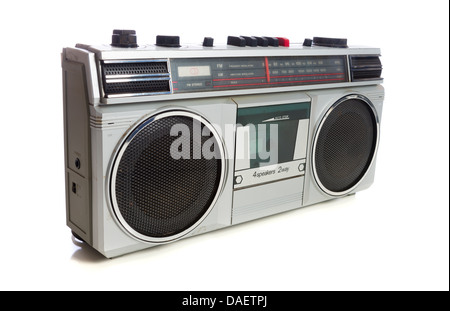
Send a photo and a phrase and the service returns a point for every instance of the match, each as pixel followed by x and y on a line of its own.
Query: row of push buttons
pixel 257 41
pixel 128 39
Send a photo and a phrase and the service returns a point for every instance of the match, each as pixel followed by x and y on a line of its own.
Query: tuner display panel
pixel 212 74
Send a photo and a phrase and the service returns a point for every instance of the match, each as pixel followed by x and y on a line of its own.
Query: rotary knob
pixel 124 38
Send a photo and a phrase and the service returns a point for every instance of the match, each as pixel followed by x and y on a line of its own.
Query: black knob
pixel 307 42
pixel 236 41
pixel 124 38
pixel 330 42
pixel 168 41
pixel 208 41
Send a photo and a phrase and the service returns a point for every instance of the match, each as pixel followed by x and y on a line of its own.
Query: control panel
pixel 209 74
pixel 245 64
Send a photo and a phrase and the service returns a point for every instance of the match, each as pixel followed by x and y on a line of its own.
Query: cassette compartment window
pixel 271 142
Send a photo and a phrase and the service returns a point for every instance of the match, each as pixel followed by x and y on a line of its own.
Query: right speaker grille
pixel 345 145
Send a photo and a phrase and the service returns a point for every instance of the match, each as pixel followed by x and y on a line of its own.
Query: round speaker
pixel 345 144
pixel 167 175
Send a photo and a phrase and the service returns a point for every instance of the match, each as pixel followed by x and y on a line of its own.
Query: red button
pixel 283 41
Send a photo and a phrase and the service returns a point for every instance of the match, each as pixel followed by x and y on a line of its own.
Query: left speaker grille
pixel 159 196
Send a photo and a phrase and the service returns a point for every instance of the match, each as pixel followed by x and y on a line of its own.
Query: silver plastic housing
pixel 96 128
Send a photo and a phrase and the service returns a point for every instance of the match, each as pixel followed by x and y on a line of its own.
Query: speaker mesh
pixel 345 145
pixel 144 86
pixel 159 196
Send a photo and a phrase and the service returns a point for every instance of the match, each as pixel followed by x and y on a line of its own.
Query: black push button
pixel 262 41
pixel 124 38
pixel 208 41
pixel 236 41
pixel 307 42
pixel 272 41
pixel 168 41
pixel 250 41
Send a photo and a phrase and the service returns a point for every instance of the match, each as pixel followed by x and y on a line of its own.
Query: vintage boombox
pixel 165 141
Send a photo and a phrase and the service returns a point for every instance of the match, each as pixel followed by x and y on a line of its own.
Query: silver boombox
pixel 165 141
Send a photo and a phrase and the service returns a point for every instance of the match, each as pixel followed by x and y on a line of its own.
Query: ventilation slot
pixel 135 78
pixel 139 69
pixel 138 86
pixel 365 68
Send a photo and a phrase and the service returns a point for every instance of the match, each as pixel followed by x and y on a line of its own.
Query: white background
pixel 393 236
